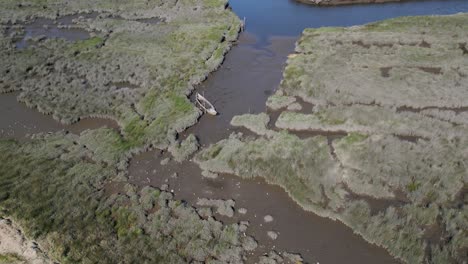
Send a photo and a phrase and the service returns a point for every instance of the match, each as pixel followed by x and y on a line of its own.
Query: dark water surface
pixel 50 28
pixel 266 18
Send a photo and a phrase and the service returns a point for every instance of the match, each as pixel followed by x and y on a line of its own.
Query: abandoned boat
pixel 205 104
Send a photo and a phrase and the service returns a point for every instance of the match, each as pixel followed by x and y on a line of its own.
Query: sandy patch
pixel 15 248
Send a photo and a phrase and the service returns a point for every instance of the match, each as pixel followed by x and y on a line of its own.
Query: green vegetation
pixel 255 123
pixel 353 138
pixel 134 72
pixel 417 54
pixel 10 258
pixel 390 158
pixel 278 159
pixel 62 198
pixel 275 258
pixel 181 151
pixel 60 187
pixel 276 101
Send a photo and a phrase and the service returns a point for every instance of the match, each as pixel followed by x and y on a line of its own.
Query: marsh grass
pixel 11 259
pixel 405 137
pixel 53 185
pixel 255 123
pixel 325 71
pixel 58 199
pixel 181 151
pixel 163 61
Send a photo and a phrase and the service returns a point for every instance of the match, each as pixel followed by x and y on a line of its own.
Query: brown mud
pixel 17 121
pixel 317 239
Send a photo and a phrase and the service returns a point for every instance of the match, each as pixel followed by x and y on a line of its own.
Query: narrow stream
pixel 17 121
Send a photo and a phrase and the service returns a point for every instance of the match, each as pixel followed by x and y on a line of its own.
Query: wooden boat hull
pixel 205 105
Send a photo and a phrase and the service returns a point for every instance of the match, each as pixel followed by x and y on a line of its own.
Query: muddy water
pixel 317 239
pixel 49 28
pixel 66 28
pixel 151 21
pixel 17 120
pixel 246 79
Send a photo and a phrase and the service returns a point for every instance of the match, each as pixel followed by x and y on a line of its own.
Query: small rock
pixel 273 235
pixel 165 161
pixel 209 175
pixel 165 187
pixel 205 212
pixel 243 225
pixel 242 211
pixel 294 107
pixel 268 218
pixel 249 243
pixel 223 207
pixel 293 258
